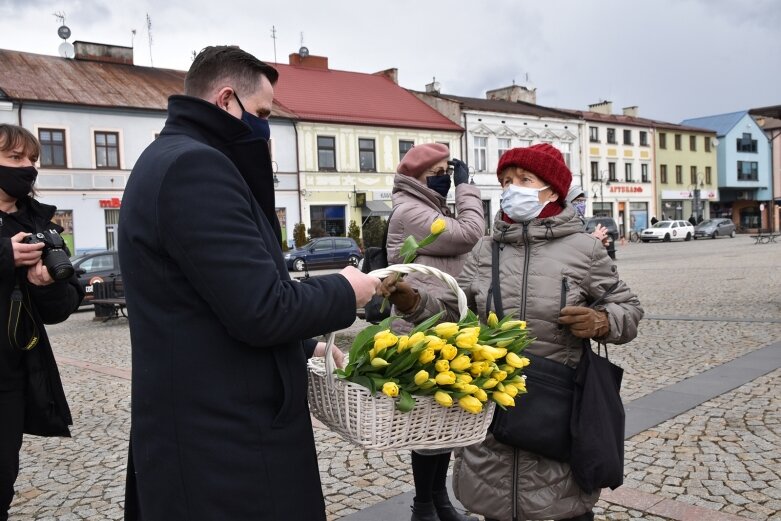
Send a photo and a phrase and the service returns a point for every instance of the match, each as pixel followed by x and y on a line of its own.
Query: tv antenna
pixel 149 33
pixel 132 37
pixel 274 37
pixel 303 51
pixel 64 32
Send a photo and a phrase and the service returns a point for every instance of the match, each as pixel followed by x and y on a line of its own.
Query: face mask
pixel 580 207
pixel 259 126
pixel 522 204
pixel 17 181
pixel 439 183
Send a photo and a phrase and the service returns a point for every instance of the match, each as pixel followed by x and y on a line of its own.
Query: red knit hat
pixel 544 161
pixel 421 157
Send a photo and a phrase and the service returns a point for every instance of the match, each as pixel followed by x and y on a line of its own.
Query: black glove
pixel 460 171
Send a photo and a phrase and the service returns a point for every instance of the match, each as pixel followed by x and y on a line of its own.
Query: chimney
pixel 101 52
pixel 631 111
pixel 433 87
pixel 514 93
pixel 391 74
pixel 603 107
pixel 304 59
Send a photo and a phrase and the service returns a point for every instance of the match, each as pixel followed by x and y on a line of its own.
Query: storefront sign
pixel 382 195
pixel 629 189
pixel 114 202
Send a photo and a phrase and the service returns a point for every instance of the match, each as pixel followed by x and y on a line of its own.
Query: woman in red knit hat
pixel 548 271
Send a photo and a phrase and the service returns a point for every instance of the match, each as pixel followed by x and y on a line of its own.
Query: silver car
pixel 714 228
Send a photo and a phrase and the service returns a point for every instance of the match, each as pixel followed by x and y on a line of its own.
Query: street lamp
pixel 603 181
pixel 274 168
pixel 694 193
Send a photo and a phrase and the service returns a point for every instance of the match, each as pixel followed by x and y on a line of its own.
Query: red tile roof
pixel 329 95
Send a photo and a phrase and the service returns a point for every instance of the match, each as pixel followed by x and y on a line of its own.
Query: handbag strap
pixel 495 288
pixel 16 321
pixel 586 341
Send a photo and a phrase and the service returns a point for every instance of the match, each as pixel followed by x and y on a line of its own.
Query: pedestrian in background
pixel 220 422
pixel 420 190
pixel 32 399
pixel 549 273
pixel 576 197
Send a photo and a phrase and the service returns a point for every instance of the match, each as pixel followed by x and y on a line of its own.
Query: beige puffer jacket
pixel 544 265
pixel 415 207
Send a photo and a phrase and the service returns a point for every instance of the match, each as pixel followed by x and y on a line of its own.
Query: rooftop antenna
pixel 149 32
pixel 303 51
pixel 274 37
pixel 64 32
pixel 132 37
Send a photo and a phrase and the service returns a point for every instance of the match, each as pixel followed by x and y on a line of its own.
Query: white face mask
pixel 522 204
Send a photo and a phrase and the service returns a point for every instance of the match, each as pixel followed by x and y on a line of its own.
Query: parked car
pixel 324 252
pixel 715 228
pixel 612 232
pixel 668 231
pixel 95 268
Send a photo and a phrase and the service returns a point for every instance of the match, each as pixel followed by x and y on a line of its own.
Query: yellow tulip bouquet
pixel 465 363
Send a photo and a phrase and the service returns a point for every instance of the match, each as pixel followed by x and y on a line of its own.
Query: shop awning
pixel 376 208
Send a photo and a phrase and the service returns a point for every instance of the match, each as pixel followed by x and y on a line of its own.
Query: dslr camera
pixel 54 255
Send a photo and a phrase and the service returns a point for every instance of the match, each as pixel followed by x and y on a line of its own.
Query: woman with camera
pixel 36 288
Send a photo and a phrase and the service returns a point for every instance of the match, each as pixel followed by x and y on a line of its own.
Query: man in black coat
pixel 220 422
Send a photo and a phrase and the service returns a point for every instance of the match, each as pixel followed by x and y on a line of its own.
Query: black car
pixel 95 268
pixel 324 252
pixel 612 232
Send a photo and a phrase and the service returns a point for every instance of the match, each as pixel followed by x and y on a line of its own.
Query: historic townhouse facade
pixel 769 120
pixel 508 117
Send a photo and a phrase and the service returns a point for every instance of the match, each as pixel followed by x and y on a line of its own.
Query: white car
pixel 668 231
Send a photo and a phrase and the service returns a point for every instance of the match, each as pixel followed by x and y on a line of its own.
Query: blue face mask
pixel 580 207
pixel 439 183
pixel 260 127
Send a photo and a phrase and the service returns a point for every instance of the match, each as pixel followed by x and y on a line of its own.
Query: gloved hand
pixel 400 294
pixel 585 322
pixel 460 171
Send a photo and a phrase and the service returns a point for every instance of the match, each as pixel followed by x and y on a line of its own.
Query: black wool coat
pixel 220 422
pixel 46 409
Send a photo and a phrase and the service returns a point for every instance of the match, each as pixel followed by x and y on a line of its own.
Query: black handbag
pixel 540 423
pixel 374 259
pixel 598 420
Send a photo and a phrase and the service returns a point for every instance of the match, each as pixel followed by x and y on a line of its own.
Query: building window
pixel 367 155
pixel 748 171
pixel 611 172
pixel 112 228
pixel 693 175
pixel 746 144
pixel 679 174
pixel 644 172
pixel 627 137
pixel 693 143
pixel 611 135
pixel 106 150
pixel 643 138
pixel 677 141
pixel 326 153
pixel 328 220
pixel 628 173
pixel 404 147
pixel 52 147
pixel 662 140
pixel 503 145
pixel 566 151
pixel 593 134
pixel 663 174
pixel 480 147
pixel 707 172
pixel 594 171
pixel 707 144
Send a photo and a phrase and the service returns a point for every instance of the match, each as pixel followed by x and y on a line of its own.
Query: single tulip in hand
pixel 400 294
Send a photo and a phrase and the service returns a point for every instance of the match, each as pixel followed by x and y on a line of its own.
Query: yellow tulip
pixel 470 388
pixel 480 395
pixel 463 377
pixel 428 384
pixel 470 404
pixel 492 353
pixel 421 377
pixel 438 226
pixel 417 337
pixel 519 362
pixel 448 352
pixel 520 324
pixel 490 383
pixel 426 356
pixel 446 329
pixel 511 390
pixel 477 368
pixel 446 378
pixel 403 344
pixel 441 366
pixel 503 398
pixel 379 362
pixel 458 386
pixel 434 342
pixel 384 339
pixel 390 389
pixel 460 363
pixel 505 343
pixel 443 399
pixel 492 320
pixel 466 340
pixel 499 375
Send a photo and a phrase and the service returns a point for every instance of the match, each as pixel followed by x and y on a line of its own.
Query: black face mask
pixel 17 181
pixel 259 126
pixel 439 183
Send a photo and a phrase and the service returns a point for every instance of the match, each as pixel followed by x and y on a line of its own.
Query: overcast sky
pixel 675 59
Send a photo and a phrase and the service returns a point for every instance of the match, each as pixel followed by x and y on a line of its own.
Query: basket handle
pixel 328 358
pixel 426 270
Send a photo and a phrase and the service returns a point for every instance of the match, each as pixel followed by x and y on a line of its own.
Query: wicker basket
pixel 373 421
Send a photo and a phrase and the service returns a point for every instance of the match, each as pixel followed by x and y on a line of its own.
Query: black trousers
pixel 12 421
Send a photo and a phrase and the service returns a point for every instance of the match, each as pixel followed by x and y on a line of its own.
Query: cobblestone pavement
pixel 707 302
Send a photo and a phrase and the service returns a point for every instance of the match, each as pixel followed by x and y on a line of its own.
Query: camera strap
pixel 22 330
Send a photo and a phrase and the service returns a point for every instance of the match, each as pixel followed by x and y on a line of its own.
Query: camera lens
pixel 58 264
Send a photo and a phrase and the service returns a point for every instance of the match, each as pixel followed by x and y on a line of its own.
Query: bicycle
pixel 634 236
